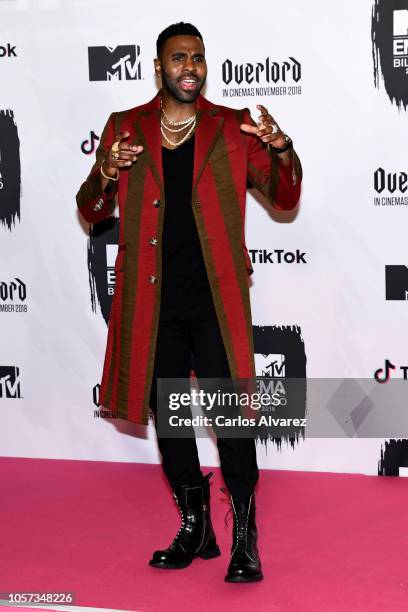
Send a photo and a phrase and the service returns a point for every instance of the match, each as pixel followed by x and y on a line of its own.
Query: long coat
pixel 225 161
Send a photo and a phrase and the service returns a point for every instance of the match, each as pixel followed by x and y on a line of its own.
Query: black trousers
pixel 201 336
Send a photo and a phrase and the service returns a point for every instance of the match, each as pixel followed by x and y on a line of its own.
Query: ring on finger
pixel 115 155
pixel 275 128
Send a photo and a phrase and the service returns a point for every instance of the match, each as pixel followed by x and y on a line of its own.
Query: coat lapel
pixel 209 127
pixel 147 127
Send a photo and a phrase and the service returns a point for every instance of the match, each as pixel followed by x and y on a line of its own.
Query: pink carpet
pixel 327 541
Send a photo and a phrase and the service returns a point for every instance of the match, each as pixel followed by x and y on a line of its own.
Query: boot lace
pixel 187 524
pixel 241 523
pixel 226 500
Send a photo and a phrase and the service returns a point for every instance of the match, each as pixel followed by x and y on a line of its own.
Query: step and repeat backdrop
pixel 330 283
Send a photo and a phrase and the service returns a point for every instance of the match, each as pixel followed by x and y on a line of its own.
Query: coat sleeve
pixel 266 172
pixel 93 203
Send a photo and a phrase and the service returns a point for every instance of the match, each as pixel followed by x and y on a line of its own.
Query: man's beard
pixel 181 96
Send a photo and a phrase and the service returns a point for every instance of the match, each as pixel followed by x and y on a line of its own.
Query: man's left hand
pixel 266 130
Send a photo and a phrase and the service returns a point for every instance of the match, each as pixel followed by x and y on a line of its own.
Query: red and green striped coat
pixel 225 160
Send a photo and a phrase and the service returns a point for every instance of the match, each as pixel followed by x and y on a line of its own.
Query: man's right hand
pixel 120 155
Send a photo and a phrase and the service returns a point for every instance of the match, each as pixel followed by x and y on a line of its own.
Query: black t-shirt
pixel 185 288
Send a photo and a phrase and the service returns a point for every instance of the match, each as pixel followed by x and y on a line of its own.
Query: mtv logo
pixel 9 382
pixel 114 63
pixel 400 22
pixel 111 253
pixel 396 282
pixel 271 365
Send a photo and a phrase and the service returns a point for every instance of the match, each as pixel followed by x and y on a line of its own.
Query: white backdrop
pixel 343 127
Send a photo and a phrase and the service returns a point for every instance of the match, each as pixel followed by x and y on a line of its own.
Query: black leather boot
pixel 196 537
pixel 245 565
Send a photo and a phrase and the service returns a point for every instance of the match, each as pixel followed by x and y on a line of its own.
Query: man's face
pixel 182 67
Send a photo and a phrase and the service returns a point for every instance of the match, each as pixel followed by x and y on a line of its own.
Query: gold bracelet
pixel 110 178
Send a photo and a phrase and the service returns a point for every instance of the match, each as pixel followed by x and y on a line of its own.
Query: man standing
pixel 179 167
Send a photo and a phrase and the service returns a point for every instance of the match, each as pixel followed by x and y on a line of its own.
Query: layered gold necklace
pixel 175 127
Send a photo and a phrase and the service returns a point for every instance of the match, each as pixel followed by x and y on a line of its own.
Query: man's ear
pixel 157 67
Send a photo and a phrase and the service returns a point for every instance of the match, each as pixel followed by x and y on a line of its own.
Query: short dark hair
pixel 176 29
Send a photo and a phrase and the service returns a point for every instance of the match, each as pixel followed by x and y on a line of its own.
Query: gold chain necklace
pixel 180 126
pixel 179 129
pixel 177 144
pixel 176 123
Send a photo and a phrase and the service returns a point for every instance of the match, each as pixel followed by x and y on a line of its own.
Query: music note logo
pixel 89 146
pixel 383 375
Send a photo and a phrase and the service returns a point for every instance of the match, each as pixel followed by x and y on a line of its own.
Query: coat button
pixel 153 241
pixel 156 203
pixel 98 204
pixel 197 204
pixel 152 280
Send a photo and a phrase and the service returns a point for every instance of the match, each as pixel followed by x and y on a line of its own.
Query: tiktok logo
pixel 89 146
pixel 383 375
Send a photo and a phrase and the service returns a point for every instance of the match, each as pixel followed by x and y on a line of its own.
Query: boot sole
pixel 167 566
pixel 210 554
pixel 237 579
